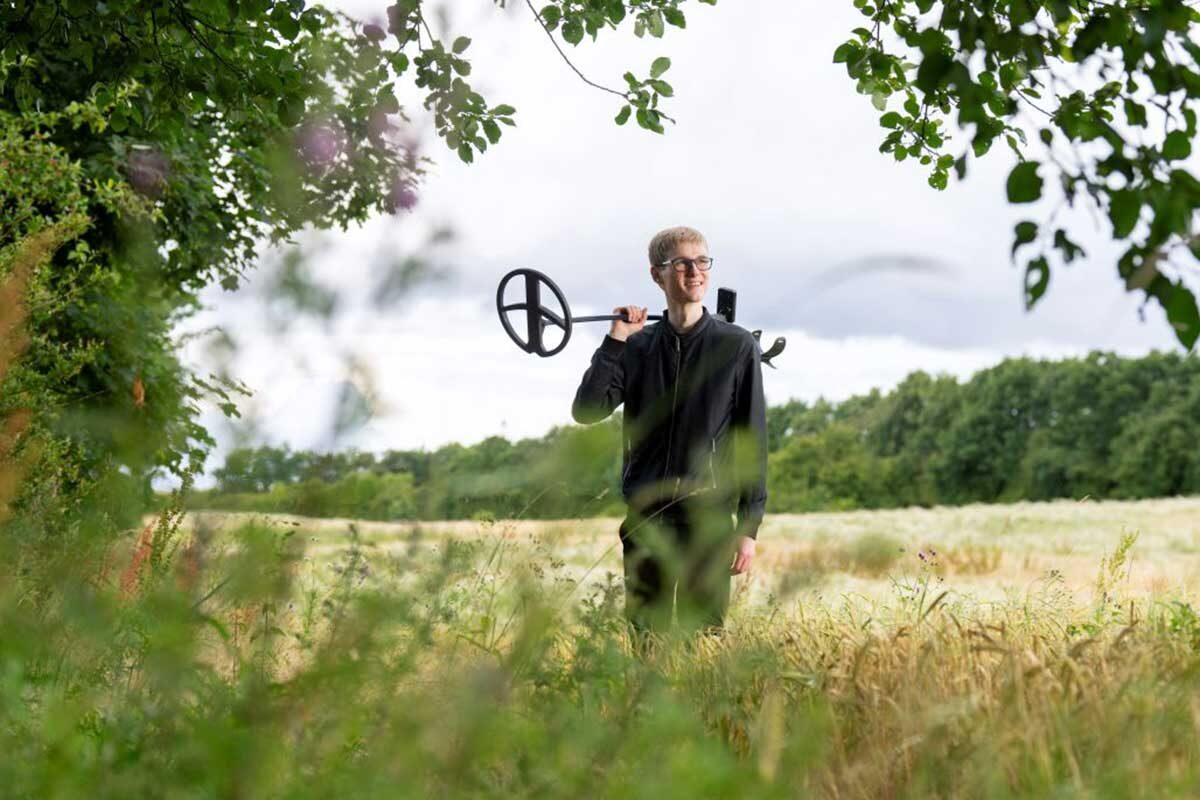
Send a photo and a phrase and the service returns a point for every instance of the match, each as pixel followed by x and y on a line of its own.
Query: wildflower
pixel 401 198
pixel 319 143
pixel 147 169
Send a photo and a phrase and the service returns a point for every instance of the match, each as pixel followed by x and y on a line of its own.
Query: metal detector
pixel 538 316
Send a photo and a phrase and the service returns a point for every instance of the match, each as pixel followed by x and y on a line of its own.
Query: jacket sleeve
pixel 603 385
pixel 750 426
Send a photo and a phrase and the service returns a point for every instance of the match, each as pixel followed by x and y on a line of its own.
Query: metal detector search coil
pixel 538 316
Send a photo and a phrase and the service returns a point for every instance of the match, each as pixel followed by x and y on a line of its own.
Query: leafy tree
pixel 983 445
pixel 1156 451
pixel 194 132
pixel 1108 90
pixel 908 428
pixel 60 448
pixel 1098 426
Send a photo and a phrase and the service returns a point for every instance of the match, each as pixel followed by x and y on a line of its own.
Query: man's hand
pixel 744 556
pixel 623 330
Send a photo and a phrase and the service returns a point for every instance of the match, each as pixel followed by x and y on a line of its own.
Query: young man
pixel 695 442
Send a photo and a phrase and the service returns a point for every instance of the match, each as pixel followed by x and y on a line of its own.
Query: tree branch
pixel 582 77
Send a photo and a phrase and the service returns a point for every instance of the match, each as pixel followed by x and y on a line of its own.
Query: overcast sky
pixel 868 272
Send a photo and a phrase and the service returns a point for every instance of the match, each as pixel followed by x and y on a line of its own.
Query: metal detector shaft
pixel 611 317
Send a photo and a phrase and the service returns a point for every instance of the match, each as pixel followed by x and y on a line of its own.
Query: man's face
pixel 683 287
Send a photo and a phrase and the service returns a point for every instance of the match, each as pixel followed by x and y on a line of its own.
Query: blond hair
pixel 664 243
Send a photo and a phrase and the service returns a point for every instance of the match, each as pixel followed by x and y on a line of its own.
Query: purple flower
pixel 319 143
pixel 147 169
pixel 402 197
pixel 374 32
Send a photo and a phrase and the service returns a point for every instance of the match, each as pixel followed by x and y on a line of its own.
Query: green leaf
pixel 662 87
pixel 291 110
pixel 312 21
pixel 1176 146
pixel 1024 184
pixel 655 22
pixel 847 51
pixel 648 119
pixel 1090 37
pixel 1124 207
pixel 492 130
pixel 675 17
pixel 1183 314
pixel 550 16
pixel 503 111
pixel 461 44
pixel 1037 278
pixel 288 26
pixel 622 115
pixel 572 31
pixel 1070 250
pixel 934 67
pixel 891 119
pixel 1135 113
pixel 464 152
pixel 1025 232
pixel 660 65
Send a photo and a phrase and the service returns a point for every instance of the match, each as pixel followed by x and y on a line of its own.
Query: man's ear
pixel 655 276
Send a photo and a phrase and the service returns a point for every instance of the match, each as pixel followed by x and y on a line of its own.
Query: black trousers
pixel 677 566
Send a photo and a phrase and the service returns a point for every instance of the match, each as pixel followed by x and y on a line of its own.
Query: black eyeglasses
pixel 703 263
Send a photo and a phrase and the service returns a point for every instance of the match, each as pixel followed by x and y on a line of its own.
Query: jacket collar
pixel 702 323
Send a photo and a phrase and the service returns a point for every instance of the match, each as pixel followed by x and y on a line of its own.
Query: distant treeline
pixel 1102 426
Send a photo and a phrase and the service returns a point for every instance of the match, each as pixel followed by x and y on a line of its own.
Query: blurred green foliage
pixel 482 669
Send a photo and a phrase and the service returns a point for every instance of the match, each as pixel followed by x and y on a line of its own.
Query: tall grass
pixel 479 668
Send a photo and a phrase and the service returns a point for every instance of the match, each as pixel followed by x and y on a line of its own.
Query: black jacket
pixel 695 417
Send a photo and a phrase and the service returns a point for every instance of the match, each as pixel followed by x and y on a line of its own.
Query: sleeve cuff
pixel 748 526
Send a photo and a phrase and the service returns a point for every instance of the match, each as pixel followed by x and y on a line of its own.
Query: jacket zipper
pixel 671 429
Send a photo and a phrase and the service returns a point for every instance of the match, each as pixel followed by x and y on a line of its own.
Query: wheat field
pixel 983 552
pixel 1032 650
